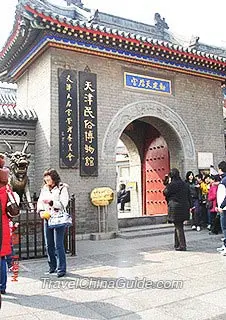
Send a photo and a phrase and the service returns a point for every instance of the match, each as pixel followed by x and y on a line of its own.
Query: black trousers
pixel 179 236
pixel 122 202
pixel 216 227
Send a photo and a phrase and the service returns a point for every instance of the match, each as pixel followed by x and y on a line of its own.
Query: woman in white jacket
pixel 221 203
pixel 54 194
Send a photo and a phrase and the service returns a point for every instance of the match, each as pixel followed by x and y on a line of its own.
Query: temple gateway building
pixel 87 80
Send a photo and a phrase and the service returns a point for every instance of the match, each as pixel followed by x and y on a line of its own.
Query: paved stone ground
pixel 201 268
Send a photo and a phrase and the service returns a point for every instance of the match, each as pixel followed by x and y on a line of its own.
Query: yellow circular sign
pixel 102 196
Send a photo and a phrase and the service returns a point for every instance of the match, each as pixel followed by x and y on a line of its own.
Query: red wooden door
pixel 155 166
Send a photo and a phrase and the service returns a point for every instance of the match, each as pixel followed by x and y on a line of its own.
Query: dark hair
pixel 174 174
pixel 199 175
pixel 214 178
pixel 165 181
pixel 188 175
pixel 53 174
pixel 122 186
pixel 2 160
pixel 222 166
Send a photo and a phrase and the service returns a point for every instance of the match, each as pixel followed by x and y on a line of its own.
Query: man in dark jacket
pixel 178 197
pixel 123 196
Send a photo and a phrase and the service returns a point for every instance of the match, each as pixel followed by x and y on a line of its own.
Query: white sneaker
pixel 222 248
pixel 209 226
pixel 223 253
pixel 198 228
pixel 193 227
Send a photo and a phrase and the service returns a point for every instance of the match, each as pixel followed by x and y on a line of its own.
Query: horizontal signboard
pixel 146 83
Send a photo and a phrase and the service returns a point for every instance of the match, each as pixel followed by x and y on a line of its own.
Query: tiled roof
pixel 9 110
pixel 7 97
pixel 10 113
pixel 95 25
pixel 40 23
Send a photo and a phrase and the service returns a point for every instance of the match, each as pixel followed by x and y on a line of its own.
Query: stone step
pixel 147 227
pixel 148 231
pixel 142 221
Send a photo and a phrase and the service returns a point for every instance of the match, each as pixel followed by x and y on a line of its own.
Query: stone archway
pixel 165 120
pixel 156 110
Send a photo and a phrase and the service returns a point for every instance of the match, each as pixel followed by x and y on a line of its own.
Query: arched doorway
pixel 171 129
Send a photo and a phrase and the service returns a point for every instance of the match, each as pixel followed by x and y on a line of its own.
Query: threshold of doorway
pixel 148 231
pixel 142 221
pixel 148 227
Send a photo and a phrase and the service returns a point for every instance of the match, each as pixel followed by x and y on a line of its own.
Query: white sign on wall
pixel 205 160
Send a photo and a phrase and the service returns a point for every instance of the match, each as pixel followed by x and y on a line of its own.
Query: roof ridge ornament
pixel 194 42
pixel 74 2
pixel 77 3
pixel 160 23
pixel 95 17
pixel 23 27
pixel 36 25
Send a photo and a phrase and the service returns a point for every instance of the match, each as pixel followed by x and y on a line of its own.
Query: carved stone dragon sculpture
pixel 18 179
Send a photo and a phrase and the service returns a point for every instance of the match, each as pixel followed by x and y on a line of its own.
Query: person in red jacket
pixel 212 204
pixel 5 240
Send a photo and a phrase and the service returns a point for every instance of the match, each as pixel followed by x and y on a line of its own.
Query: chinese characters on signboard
pixel 146 83
pixel 68 119
pixel 88 124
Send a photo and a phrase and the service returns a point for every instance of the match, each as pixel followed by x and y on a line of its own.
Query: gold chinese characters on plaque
pixel 102 196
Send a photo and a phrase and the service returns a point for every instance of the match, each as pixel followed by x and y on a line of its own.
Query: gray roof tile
pixel 9 109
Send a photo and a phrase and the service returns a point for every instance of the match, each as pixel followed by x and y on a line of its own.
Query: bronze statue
pixel 18 178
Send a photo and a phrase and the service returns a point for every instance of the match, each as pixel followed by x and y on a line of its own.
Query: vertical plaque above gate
pixel 146 83
pixel 88 124
pixel 68 119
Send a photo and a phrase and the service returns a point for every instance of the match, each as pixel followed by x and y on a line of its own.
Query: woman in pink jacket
pixel 213 224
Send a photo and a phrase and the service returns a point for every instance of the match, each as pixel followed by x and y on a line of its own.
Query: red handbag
pixel 13 209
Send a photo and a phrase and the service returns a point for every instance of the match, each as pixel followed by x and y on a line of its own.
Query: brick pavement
pixel 100 263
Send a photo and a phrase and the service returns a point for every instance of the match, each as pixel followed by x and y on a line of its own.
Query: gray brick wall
pixel 196 100
pixel 34 92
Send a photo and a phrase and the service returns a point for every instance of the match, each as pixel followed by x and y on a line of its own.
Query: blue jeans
pixel 54 241
pixel 208 217
pixel 223 225
pixel 3 272
pixel 9 258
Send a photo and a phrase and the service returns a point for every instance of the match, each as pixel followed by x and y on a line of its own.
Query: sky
pixel 184 18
